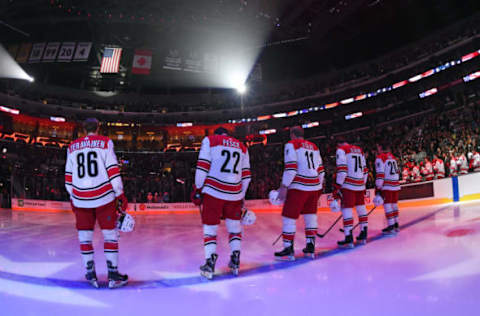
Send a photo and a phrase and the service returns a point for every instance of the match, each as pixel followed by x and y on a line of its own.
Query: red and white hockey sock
pixel 389 213
pixel 86 248
pixel 210 239
pixel 110 246
pixel 362 216
pixel 289 228
pixel 395 212
pixel 310 227
pixel 234 229
pixel 347 220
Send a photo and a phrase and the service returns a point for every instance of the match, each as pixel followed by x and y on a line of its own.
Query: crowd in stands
pixel 435 143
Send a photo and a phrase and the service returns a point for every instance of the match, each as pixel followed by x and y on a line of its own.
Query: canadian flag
pixel 142 62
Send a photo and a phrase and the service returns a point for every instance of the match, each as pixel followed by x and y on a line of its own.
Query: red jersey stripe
pixel 93 193
pixel 222 186
pixel 114 171
pixel 203 165
pixel 306 180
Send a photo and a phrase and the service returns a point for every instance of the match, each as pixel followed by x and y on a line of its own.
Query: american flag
pixel 111 60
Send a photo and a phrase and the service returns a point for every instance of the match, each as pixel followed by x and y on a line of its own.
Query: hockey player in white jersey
pixel 92 178
pixel 438 167
pixel 475 161
pixel 301 187
pixel 221 181
pixel 349 187
pixel 387 186
pixel 453 168
pixel 462 163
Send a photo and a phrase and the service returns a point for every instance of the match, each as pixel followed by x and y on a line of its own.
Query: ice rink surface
pixel 431 268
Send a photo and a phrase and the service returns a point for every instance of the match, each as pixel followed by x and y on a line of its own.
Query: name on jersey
pixel 308 146
pixel 230 143
pixel 356 150
pixel 87 144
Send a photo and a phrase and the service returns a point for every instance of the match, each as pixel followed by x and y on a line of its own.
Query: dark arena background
pixel 163 78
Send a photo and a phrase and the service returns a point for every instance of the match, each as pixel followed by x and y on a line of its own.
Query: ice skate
pixel 397 228
pixel 309 250
pixel 208 269
pixel 287 254
pixel 115 279
pixel 234 263
pixel 362 238
pixel 389 230
pixel 347 243
pixel 91 276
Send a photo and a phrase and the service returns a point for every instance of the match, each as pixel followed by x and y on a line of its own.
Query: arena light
pixel 241 88
pixel 394 86
pixel 264 117
pixel 472 76
pixel 279 115
pixel 9 68
pixel 400 84
pixel 415 78
pixel 186 124
pixel 310 125
pixel 347 101
pixel 353 115
pixel 9 110
pixel 57 119
pixel 428 93
pixel 268 131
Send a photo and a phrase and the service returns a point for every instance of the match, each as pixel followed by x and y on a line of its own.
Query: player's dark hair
pixel 297 131
pixel 341 139
pixel 221 131
pixel 91 125
pixel 384 144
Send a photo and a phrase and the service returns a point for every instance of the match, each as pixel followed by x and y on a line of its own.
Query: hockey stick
pixel 373 209
pixel 276 240
pixel 319 235
pixel 330 228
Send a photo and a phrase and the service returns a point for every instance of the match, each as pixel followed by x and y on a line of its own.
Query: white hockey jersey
pixel 303 168
pixel 475 162
pixel 462 164
pixel 223 168
pixel 352 169
pixel 387 174
pixel 92 173
pixel 439 168
pixel 453 166
pixel 427 171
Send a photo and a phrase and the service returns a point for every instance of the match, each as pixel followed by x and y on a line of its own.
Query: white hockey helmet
pixel 273 197
pixel 335 206
pixel 378 200
pixel 125 223
pixel 248 217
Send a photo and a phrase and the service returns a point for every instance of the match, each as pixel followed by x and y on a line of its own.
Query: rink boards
pixel 462 188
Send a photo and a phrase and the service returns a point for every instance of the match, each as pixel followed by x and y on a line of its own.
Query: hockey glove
pixel 122 202
pixel 337 193
pixel 282 193
pixel 196 196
